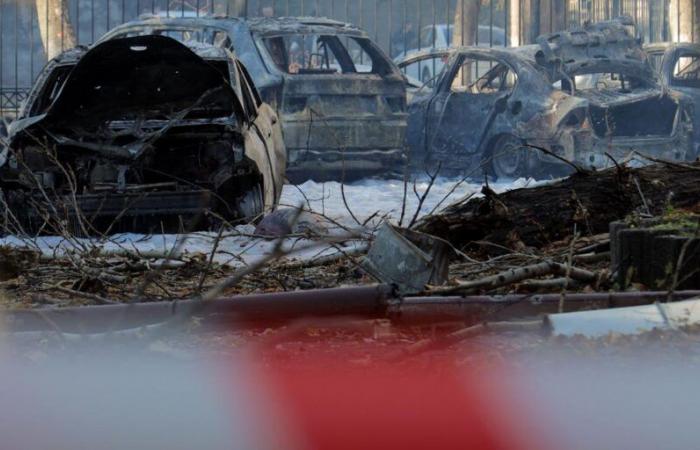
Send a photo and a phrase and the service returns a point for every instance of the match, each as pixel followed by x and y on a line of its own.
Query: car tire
pixel 251 203
pixel 508 157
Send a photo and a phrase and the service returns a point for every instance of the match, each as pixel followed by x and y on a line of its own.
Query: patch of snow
pixel 385 197
pixel 238 247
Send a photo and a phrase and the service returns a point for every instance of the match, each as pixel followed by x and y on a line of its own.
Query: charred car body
pixel 588 96
pixel 678 66
pixel 340 98
pixel 144 132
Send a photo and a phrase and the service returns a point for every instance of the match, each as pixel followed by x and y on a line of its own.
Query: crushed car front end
pixel 141 133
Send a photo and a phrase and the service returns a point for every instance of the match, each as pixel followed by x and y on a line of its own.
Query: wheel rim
pixel 508 157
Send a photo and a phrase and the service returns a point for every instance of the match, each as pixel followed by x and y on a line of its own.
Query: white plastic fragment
pixel 630 320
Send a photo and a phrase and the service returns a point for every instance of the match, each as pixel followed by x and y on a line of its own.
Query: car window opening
pixel 314 54
pixel 686 72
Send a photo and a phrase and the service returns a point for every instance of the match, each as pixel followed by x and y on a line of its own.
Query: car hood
pixel 134 79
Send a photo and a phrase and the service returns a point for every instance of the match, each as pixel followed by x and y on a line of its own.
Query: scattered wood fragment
pixel 517 275
pixel 87 295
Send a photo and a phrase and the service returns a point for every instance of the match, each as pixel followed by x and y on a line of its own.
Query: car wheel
pixel 508 157
pixel 251 204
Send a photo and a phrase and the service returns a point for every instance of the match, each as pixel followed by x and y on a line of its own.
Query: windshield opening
pixel 304 54
pixel 686 72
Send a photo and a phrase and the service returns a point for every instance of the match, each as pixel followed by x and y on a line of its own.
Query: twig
pixel 641 194
pixel 94 297
pixel 516 275
pixel 276 253
pixel 576 167
pixel 405 194
pixel 203 276
pixel 432 176
pixel 567 273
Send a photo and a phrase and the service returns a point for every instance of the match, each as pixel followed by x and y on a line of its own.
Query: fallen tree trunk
pixel 590 201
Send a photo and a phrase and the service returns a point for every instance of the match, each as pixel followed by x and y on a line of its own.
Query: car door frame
pixel 261 124
pixel 444 88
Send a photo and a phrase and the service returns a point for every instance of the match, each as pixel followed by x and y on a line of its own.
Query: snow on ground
pixel 237 247
pixel 369 196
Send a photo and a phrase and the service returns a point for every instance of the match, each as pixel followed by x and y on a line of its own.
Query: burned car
pixel 141 133
pixel 678 66
pixel 586 96
pixel 342 101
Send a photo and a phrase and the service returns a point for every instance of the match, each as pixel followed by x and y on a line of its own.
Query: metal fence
pixel 397 25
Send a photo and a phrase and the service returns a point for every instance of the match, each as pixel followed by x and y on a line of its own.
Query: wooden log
pixel 544 214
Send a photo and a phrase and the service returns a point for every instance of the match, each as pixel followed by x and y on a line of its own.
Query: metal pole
pixel 378 301
pixel 490 24
pixel 17 58
pixel 427 310
pixel 391 28
pixel 650 34
pixel 363 301
pixel 2 54
pixel 92 19
pixel 376 20
pixel 63 31
pixel 31 43
pixel 432 73
pixel 506 22
pixel 403 27
pixel 77 22
pixel 678 20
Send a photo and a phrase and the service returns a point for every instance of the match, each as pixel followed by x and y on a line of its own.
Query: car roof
pixel 159 21
pixel 301 25
pixel 503 52
pixel 259 25
pixel 203 50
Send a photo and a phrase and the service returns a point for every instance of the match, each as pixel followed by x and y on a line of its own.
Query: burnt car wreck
pixel 144 134
pixel 678 65
pixel 587 96
pixel 341 100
